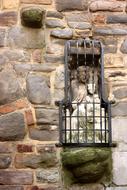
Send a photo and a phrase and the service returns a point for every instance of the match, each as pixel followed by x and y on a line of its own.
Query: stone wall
pixel 31 79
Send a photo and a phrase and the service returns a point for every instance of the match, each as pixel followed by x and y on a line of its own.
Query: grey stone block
pixel 63 34
pixel 123 47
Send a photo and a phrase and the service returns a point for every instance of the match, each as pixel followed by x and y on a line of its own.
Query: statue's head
pixel 83 74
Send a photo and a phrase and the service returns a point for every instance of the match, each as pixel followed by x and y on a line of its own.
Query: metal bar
pixel 93 84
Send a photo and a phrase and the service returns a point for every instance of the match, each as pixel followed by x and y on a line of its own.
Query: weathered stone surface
pixel 116 188
pixel 16 55
pixel 120 92
pixel 29 38
pixel 71 5
pixel 10 4
pixel 43 135
pixel 107 6
pixel 54 14
pixel 43 68
pixel 9 87
pixel 86 165
pixel 79 25
pixel 8 187
pixel 29 117
pixel 6 147
pixel 32 17
pixel 50 148
pixel 123 48
pixel 64 34
pixel 120 109
pixel 45 187
pixel 12 127
pixel 50 176
pixel 119 129
pixel 47 116
pixel 37 55
pixel 5 161
pixel 8 18
pixel 38 89
pixel 110 49
pixel 59 77
pixel 113 61
pixel 3 62
pixel 78 17
pixel 117 19
pixel 41 2
pixel 54 23
pixel 16 177
pixel 2 36
pixel 119 165
pixel 25 148
pixel 35 161
pixel 87 187
pixel 109 31
pixel 49 58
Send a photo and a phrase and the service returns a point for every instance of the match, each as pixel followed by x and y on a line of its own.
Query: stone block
pixel 50 148
pixel 41 2
pixel 16 177
pixel 120 92
pixel 116 188
pixel 87 187
pixel 38 89
pixel 71 5
pixel 50 176
pixel 43 135
pixel 35 161
pixel 54 14
pixel 54 23
pixel 6 147
pixel 119 129
pixel 120 168
pixel 5 161
pixel 8 187
pixel 120 109
pixel 2 36
pixel 105 31
pixel 62 33
pixel 123 47
pixel 49 58
pixel 79 25
pixel 113 61
pixel 3 61
pixel 29 117
pixel 10 4
pixel 26 38
pixel 9 87
pixel 47 116
pixel 78 17
pixel 8 18
pixel 32 17
pixel 107 6
pixel 37 55
pixel 122 19
pixel 25 148
pixel 59 77
pixel 12 127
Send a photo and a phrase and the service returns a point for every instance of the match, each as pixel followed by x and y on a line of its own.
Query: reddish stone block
pixel 24 148
pixel 41 2
pixel 22 103
pixel 29 117
pixel 37 55
pixel 99 19
pixel 8 18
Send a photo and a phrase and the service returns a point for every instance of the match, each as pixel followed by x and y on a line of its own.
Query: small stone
pixel 43 135
pixel 87 187
pixel 41 2
pixel 6 147
pixel 122 19
pixel 29 117
pixel 54 23
pixel 54 14
pixel 32 17
pixel 79 25
pixel 35 161
pixel 16 177
pixel 71 5
pixel 46 148
pixel 54 59
pixel 37 55
pixel 8 18
pixel 12 127
pixel 47 116
pixel 2 36
pixel 78 17
pixel 43 67
pixel 25 148
pixel 31 39
pixel 3 62
pixel 113 61
pixel 9 87
pixel 59 77
pixel 22 69
pixel 120 109
pixel 8 187
pixel 109 31
pixel 64 34
pixel 38 89
pixel 50 176
pixel 10 4
pixel 119 162
pixel 123 47
pixel 107 6
pixel 5 161
pixel 120 93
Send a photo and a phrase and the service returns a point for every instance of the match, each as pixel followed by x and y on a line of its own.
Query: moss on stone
pixel 32 17
pixel 86 165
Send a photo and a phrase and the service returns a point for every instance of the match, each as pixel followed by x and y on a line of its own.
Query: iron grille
pixel 85 112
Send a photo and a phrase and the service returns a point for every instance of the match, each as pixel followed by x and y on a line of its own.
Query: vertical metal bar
pixel 66 70
pixel 60 124
pixel 105 120
pixel 93 86
pixel 109 124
